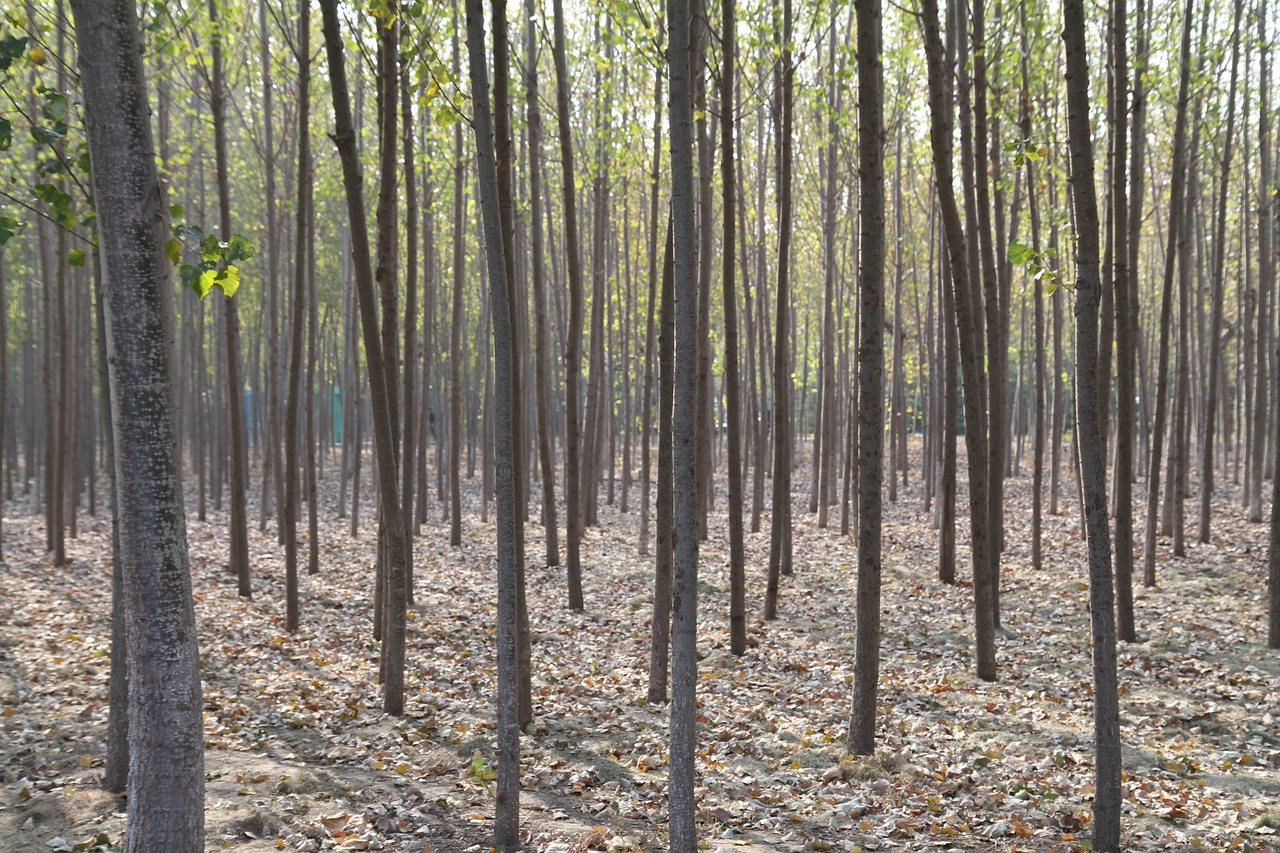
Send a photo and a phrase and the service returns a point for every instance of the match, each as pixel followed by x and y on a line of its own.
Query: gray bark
pixel 166 739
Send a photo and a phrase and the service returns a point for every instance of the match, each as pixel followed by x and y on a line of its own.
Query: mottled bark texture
pixel 166 741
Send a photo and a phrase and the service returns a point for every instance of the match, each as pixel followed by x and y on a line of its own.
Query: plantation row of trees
pixel 632 256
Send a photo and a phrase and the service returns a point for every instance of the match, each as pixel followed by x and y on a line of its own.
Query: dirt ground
pixel 300 757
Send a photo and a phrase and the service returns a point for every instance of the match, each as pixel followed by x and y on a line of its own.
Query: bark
pixel 292 482
pixel 646 434
pixel 542 365
pixel 409 438
pixel 1107 796
pixel 1126 323
pixel 506 832
pixel 384 441
pixel 1218 288
pixel 970 357
pixel 866 672
pixel 660 624
pixel 238 558
pixel 684 663
pixel 737 560
pixel 1266 273
pixel 166 738
pixel 456 354
pixel 573 352
pixel 1176 191
pixel 780 522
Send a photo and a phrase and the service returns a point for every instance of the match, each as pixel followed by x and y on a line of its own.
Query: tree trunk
pixel 166 739
pixel 1106 728
pixel 384 440
pixel 970 357
pixel 1176 190
pixel 684 663
pixel 728 121
pixel 238 558
pixel 506 831
pixel 573 353
pixel 1218 286
pixel 780 523
pixel 866 672
pixel 291 450
pixel 542 364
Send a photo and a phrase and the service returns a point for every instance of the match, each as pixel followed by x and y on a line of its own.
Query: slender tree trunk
pixel 456 355
pixel 646 434
pixel 573 353
pixel 660 624
pixel 238 560
pixel 291 450
pixel 1176 190
pixel 1126 324
pixel 506 832
pixel 409 437
pixel 780 524
pixel 1218 288
pixel 542 365
pixel 384 440
pixel 866 672
pixel 728 122
pixel 1266 273
pixel 684 663
pixel 1106 801
pixel 970 357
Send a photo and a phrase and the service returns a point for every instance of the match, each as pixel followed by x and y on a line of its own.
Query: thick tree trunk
pixel 660 624
pixel 166 739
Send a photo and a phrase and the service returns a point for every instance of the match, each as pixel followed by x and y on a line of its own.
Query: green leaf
pixel 173 250
pixel 228 281
pixel 75 258
pixel 1020 253
pixel 1054 285
pixel 175 211
pixel 11 49
pixel 204 283
pixel 8 227
pixel 239 249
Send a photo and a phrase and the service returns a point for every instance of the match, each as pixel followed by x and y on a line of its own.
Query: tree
pixel 384 440
pixel 866 673
pixel 1106 710
pixel 967 318
pixel 780 523
pixel 291 475
pixel 506 831
pixel 166 737
pixel 684 661
pixel 238 482
pixel 737 568
pixel 573 352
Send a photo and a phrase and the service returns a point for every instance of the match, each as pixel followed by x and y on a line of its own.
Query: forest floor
pixel 299 755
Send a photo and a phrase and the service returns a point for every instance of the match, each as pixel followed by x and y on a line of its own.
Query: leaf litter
pixel 299 755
